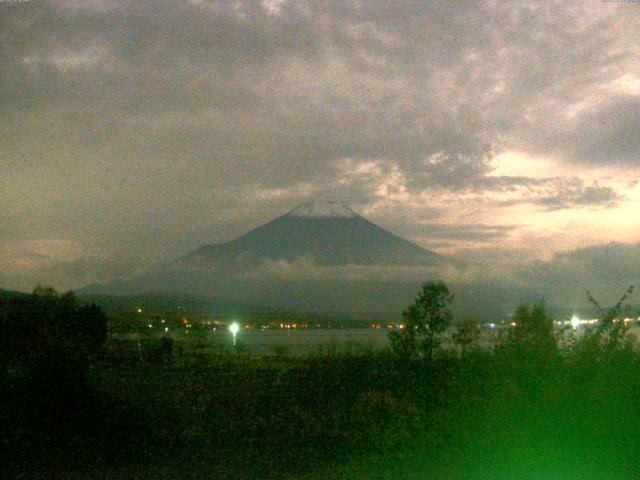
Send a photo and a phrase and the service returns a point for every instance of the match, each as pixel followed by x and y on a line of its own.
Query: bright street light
pixel 234 328
pixel 575 322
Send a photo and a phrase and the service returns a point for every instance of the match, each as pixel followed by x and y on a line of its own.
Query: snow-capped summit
pixel 326 209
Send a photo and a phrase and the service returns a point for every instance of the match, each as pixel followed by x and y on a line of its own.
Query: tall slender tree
pixel 423 321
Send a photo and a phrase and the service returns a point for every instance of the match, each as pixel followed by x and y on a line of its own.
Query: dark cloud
pixel 553 193
pixel 608 134
pixel 465 232
pixel 574 193
pixel 606 270
pixel 35 268
pixel 153 127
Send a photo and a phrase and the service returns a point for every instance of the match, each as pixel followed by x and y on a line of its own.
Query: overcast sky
pixel 133 132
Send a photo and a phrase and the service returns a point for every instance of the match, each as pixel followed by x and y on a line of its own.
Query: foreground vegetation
pixel 526 409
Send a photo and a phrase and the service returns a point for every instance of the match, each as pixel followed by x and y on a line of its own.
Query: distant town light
pixel 575 322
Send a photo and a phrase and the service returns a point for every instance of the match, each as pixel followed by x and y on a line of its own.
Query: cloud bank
pixel 135 131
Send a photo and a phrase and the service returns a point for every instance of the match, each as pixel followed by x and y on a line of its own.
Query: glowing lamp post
pixel 575 322
pixel 233 328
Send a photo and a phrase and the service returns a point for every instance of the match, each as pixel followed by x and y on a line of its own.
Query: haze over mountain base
pixel 323 257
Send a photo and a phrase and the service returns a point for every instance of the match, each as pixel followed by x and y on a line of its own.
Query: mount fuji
pixel 320 256
pixel 327 233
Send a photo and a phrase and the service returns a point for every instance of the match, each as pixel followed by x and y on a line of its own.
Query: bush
pixel 46 343
pixel 162 350
pixel 36 326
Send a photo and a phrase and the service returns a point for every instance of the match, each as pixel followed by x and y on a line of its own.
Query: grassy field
pixel 534 403
pixel 368 415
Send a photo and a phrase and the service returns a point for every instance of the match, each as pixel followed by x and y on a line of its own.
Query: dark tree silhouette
pixel 424 320
pixel 532 337
pixel 37 325
pixel 46 344
pixel 466 335
pixel 610 335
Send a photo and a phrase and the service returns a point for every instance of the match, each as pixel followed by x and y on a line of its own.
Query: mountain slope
pixel 349 265
pixel 328 233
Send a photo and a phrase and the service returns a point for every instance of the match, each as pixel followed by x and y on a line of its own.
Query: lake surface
pixel 308 341
pixel 297 342
pixel 273 341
